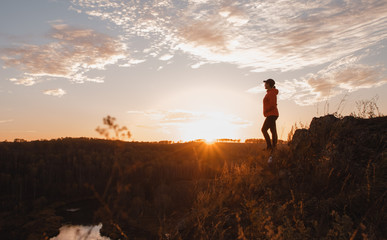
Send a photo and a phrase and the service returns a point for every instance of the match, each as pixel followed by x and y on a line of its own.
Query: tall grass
pixel 315 197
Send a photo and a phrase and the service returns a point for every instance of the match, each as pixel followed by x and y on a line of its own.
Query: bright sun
pixel 210 141
pixel 208 129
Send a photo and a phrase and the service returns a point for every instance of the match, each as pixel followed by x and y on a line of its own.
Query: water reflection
pixel 78 232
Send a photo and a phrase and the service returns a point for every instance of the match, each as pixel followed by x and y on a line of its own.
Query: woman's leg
pixel 273 129
pixel 265 127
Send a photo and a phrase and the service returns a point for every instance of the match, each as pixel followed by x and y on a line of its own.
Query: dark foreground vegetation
pixel 330 182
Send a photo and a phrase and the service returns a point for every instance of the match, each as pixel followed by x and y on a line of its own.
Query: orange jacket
pixel 270 103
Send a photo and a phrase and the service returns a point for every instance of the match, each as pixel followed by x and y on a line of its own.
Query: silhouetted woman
pixel 270 111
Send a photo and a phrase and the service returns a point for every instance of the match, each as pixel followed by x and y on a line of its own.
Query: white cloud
pixel 256 89
pixel 234 15
pixel 26 81
pixel 197 65
pixel 347 74
pixel 72 53
pixel 6 121
pixel 344 75
pixel 265 35
pixel 166 57
pixel 198 1
pixel 55 92
pixel 132 62
pixel 278 35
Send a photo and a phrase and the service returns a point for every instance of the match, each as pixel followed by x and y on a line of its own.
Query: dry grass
pixel 291 199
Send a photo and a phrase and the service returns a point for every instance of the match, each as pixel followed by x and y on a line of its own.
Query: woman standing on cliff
pixel 270 111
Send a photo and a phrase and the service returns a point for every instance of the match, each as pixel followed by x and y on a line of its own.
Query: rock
pixel 349 139
pixel 301 141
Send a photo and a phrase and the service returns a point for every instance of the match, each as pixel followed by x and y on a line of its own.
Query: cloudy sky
pixel 185 69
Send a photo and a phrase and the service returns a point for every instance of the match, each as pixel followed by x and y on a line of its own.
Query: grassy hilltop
pixel 328 183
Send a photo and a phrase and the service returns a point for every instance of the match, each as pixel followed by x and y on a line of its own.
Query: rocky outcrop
pixel 350 139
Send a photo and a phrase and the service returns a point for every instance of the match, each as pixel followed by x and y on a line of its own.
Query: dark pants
pixel 270 124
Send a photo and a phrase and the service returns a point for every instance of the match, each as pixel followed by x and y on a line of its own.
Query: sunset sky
pixel 184 69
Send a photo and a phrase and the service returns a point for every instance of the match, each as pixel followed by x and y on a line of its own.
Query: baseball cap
pixel 270 81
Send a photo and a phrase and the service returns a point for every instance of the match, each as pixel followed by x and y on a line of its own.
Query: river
pixel 77 232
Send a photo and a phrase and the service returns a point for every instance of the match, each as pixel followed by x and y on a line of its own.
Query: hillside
pixel 329 183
